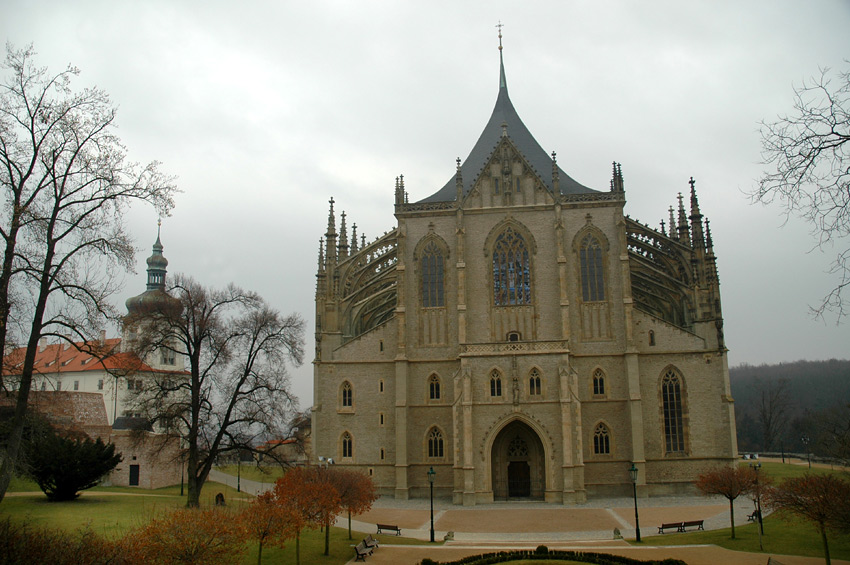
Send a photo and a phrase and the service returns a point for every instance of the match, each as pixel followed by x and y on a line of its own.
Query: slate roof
pixel 504 113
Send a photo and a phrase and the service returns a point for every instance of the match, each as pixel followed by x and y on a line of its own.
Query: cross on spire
pixel 500 25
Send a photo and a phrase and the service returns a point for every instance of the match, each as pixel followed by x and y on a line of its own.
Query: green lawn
pixel 786 535
pixel 113 511
pixel 252 472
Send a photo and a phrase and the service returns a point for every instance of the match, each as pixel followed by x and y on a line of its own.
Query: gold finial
pixel 500 25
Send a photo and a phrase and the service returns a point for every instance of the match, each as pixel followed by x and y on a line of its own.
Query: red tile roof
pixel 82 356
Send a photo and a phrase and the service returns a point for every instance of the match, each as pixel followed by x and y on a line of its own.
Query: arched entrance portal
pixel 518 469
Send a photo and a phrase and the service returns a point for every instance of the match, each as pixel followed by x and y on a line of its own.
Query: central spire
pixel 504 118
pixel 503 82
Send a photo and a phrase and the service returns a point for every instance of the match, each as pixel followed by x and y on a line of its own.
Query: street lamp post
pixel 756 467
pixel 805 440
pixel 431 475
pixel 633 473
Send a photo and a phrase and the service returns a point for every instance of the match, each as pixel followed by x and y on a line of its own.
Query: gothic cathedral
pixel 520 336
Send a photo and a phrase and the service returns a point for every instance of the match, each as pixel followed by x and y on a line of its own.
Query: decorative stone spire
pixel 321 255
pixel 673 233
pixel 684 230
pixel 556 175
pixel 459 182
pixel 617 178
pixel 696 217
pixel 663 228
pixel 353 239
pixel 503 82
pixel 343 238
pixel 708 241
pixel 330 236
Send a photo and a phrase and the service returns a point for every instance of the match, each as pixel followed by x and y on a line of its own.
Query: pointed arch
pixel 434 388
pixel 535 382
pixel 511 248
pixel 495 383
pixel 346 445
pixel 346 397
pixel 429 257
pixel 435 443
pixel 591 246
pixel 673 410
pixel 598 382
pixel 601 439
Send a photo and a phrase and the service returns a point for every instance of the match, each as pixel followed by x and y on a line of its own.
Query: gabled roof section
pixel 505 114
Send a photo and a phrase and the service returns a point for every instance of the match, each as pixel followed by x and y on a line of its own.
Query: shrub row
pixel 542 553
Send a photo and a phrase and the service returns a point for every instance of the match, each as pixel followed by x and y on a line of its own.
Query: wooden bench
pixel 671 526
pixel 361 551
pixel 752 517
pixel 389 527
pixel 370 542
pixel 691 524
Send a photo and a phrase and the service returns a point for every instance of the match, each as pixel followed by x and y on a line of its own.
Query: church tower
pixel 520 334
pixel 155 297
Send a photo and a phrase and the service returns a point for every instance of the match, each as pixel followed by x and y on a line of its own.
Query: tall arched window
pixel 671 399
pixel 511 270
pixel 347 392
pixel 598 383
pixel 601 440
pixel 435 443
pixel 347 446
pixel 434 387
pixel 534 382
pixel 432 263
pixel 592 277
pixel 495 383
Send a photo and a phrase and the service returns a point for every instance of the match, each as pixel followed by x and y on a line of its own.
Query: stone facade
pixel 522 336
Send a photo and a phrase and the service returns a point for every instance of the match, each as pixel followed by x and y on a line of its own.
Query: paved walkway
pixel 525 525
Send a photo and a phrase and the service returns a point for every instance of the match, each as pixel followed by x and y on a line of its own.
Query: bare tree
pixel 730 482
pixel 820 499
pixel 812 170
pixel 773 407
pixel 236 392
pixel 66 184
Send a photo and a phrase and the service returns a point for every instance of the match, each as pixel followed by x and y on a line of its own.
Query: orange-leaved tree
pixel 730 482
pixel 822 499
pixel 356 491
pixel 309 500
pixel 188 535
pixel 268 520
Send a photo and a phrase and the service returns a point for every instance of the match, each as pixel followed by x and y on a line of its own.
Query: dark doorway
pixel 519 479
pixel 134 475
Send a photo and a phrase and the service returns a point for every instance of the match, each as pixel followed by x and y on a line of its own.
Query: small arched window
pixel 434 387
pixel 651 338
pixel 511 270
pixel 534 382
pixel 347 400
pixel 495 383
pixel 347 446
pixel 435 444
pixel 671 400
pixel 432 264
pixel 592 277
pixel 598 383
pixel 601 440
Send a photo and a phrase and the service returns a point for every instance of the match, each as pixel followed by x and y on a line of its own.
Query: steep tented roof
pixel 504 113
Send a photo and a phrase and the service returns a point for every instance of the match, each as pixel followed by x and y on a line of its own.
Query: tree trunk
pixel 260 554
pixel 298 547
pixel 327 537
pixel 732 515
pixel 349 524
pixel 822 529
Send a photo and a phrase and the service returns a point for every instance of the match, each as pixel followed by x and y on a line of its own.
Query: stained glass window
pixel 511 270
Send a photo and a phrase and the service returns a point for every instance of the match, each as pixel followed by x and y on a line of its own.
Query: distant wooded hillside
pixel 776 406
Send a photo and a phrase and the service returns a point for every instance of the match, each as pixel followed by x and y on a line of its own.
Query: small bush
pixel 541 549
pixel 24 545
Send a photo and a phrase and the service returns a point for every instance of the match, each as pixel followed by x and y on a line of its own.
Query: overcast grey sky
pixel 264 110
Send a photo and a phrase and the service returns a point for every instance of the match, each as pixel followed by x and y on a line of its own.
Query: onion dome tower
pixel 154 298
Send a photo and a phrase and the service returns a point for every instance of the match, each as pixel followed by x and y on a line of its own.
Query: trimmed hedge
pixel 542 553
